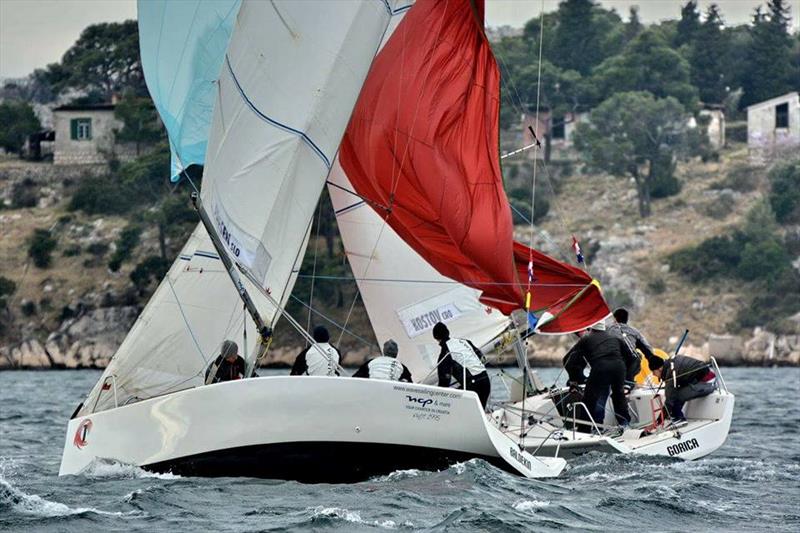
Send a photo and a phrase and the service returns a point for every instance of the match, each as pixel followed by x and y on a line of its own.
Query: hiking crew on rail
pixel 461 360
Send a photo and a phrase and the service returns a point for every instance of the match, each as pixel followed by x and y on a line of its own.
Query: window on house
pixel 81 129
pixel 558 128
pixel 782 115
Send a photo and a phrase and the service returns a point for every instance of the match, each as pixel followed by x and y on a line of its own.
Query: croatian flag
pixel 577 248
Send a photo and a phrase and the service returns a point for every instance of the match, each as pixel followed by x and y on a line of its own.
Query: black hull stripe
pixel 316 462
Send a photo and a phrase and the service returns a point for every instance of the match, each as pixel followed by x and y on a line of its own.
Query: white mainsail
pixel 288 85
pixel 404 295
pixel 289 81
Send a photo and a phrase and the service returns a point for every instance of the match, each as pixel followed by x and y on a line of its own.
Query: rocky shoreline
pixel 89 341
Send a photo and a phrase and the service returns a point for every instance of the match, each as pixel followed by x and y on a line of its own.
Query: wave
pixel 530 506
pixel 14 500
pixel 110 469
pixel 399 475
pixel 325 514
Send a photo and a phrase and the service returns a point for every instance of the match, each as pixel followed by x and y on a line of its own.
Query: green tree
pixel 104 58
pixel 688 24
pixel 634 25
pixel 126 243
pixel 40 247
pixel 646 64
pixel 770 71
pixel 140 122
pixel 632 134
pixel 708 47
pixel 17 121
pixel 784 194
pixel 584 36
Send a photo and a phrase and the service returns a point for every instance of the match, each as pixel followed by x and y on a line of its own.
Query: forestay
pixel 404 296
pixel 288 85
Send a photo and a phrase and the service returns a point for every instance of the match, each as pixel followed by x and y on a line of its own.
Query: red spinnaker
pixel 422 147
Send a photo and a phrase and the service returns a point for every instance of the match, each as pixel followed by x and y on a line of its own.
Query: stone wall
pixel 49 180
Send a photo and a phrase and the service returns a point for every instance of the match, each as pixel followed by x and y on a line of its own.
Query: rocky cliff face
pixel 87 341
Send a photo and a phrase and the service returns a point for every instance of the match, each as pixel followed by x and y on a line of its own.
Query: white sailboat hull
pixel 708 423
pixel 311 429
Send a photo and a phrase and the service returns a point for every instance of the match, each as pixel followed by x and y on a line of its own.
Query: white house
pixel 773 127
pixel 85 135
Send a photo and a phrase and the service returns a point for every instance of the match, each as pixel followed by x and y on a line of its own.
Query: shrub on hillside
pixel 143 181
pixel 740 178
pixel 784 195
pixel 712 257
pixel 24 194
pixel 520 200
pixel 71 251
pixel 754 252
pixel 151 269
pixel 774 301
pixel 128 241
pixel 7 288
pixel 40 247
pixel 663 182
pixel 763 260
pixel 101 195
pixel 28 308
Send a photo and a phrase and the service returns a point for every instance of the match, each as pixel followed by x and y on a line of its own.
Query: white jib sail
pixel 179 332
pixel 404 295
pixel 288 85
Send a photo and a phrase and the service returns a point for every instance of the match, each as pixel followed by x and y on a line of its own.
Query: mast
pixel 264 332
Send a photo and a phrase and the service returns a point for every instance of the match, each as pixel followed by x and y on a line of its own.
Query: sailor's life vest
pixel 386 368
pixel 322 359
pixel 463 355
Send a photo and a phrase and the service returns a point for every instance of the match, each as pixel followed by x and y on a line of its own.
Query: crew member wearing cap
pixel 385 366
pixel 461 360
pixel 319 359
pixel 685 378
pixel 228 366
pixel 604 353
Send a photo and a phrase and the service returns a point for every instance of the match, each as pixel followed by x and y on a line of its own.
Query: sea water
pixel 751 484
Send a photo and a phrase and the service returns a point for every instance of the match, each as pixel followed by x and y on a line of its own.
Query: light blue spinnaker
pixel 183 46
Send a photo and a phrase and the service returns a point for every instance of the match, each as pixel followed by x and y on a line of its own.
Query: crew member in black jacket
pixel 685 378
pixel 228 366
pixel 605 354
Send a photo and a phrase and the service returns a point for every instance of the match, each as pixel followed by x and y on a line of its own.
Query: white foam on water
pixel 107 469
pixel 341 513
pixel 460 468
pixel 35 505
pixel 336 512
pixel 397 475
pixel 528 506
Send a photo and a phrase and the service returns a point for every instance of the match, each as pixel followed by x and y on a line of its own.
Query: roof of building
pixel 85 107
pixel 794 95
